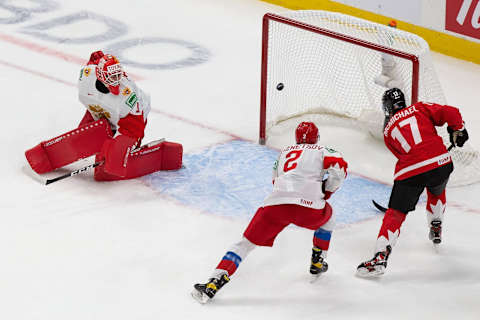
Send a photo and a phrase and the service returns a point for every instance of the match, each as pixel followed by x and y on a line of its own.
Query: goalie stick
pixel 70 174
pixel 46 181
pixel 382 208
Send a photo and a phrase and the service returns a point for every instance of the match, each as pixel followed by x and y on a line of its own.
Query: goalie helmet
pixel 109 71
pixel 393 100
pixel 306 132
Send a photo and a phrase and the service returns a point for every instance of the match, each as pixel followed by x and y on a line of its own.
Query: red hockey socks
pixel 229 263
pixel 232 259
pixel 436 206
pixel 321 238
pixel 390 229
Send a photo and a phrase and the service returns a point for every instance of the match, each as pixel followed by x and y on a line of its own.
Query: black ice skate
pixel 204 292
pixel 435 231
pixel 318 264
pixel 376 266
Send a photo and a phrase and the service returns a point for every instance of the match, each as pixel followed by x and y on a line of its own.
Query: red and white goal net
pixel 324 65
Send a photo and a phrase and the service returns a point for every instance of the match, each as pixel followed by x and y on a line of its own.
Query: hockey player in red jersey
pixel 423 162
pixel 112 128
pixel 299 196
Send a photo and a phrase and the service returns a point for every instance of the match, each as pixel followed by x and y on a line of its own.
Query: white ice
pixel 79 249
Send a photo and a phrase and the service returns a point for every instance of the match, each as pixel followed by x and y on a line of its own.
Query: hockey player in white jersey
pixel 304 177
pixel 112 128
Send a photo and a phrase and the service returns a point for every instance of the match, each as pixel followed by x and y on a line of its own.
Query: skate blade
pixel 199 296
pixel 314 277
pixel 363 273
pixel 436 247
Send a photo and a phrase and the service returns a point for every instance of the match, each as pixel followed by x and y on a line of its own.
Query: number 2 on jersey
pixel 397 135
pixel 291 157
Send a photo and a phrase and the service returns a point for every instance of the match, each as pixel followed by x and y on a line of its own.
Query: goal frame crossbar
pixel 328 33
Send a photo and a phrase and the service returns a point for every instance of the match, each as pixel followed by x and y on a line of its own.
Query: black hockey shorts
pixel 405 193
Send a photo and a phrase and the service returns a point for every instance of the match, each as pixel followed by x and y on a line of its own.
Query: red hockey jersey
pixel 411 136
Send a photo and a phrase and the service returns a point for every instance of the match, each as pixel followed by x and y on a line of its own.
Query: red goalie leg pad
pixel 148 159
pixel 38 159
pixel 69 147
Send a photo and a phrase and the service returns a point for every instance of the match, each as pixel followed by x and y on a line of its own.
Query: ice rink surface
pixel 80 249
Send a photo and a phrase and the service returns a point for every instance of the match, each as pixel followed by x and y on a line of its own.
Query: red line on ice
pixel 50 52
pixel 37 73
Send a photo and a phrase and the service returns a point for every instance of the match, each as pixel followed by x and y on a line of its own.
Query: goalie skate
pixel 204 292
pixel 376 266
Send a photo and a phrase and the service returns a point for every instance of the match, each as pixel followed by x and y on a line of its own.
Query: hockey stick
pixel 71 174
pixel 379 207
pixel 382 208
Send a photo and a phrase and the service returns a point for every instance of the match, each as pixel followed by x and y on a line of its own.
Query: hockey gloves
pixel 458 137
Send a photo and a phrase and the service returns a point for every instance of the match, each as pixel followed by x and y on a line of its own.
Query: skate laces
pixel 380 258
pixel 215 284
pixel 436 227
pixel 317 259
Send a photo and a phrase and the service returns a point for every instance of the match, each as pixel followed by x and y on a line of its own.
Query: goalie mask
pixel 109 71
pixel 393 100
pixel 306 132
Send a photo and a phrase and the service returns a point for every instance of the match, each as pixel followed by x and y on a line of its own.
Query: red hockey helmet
pixel 306 132
pixel 109 71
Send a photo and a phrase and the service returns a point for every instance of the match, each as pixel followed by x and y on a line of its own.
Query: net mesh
pixel 326 79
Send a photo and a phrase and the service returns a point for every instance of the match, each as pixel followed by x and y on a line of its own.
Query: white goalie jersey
pixel 131 99
pixel 300 172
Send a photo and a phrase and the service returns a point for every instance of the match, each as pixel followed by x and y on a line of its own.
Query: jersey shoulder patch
pixel 331 150
pixel 131 100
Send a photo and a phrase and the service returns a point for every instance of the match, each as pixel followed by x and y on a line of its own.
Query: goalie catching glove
pixel 458 137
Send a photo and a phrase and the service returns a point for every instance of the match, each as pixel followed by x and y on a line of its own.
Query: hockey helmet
pixel 306 132
pixel 393 100
pixel 109 71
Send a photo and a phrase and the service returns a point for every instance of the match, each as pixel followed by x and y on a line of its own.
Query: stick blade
pixel 379 207
pixel 32 174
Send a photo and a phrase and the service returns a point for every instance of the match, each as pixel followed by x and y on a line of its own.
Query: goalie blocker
pixel 89 139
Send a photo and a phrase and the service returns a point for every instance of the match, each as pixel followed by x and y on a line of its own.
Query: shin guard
pixel 74 145
pixel 145 160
